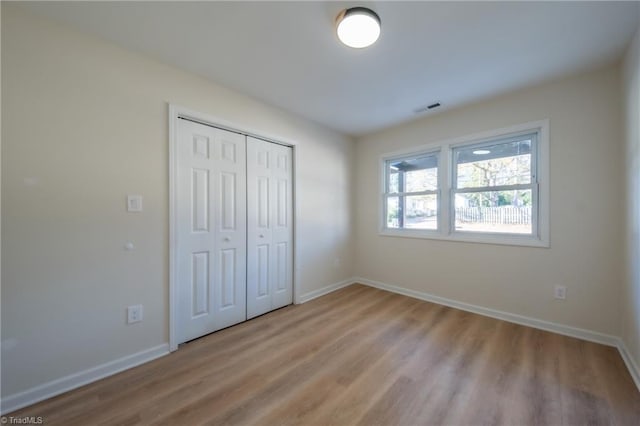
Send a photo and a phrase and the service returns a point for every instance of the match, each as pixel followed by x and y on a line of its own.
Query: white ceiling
pixel 287 54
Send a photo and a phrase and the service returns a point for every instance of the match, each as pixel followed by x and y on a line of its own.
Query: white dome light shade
pixel 358 27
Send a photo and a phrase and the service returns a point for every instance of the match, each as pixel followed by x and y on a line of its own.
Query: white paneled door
pixel 269 226
pixel 211 237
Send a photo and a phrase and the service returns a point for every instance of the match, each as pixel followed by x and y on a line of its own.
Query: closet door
pixel 269 227
pixel 211 235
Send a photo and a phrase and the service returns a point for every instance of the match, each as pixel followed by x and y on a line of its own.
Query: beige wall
pixel 631 289
pixel 585 215
pixel 85 123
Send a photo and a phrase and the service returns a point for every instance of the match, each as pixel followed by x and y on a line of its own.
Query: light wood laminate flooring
pixel 363 356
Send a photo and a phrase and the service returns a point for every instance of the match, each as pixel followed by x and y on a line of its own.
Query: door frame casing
pixel 174 113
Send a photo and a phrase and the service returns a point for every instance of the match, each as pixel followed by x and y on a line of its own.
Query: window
pixel 494 186
pixel 489 188
pixel 411 192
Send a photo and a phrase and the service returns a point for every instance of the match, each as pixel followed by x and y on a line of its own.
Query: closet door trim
pixel 175 113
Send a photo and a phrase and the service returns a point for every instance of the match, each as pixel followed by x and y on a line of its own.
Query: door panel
pixel 229 150
pixel 200 208
pixel 269 231
pixel 228 201
pixel 282 232
pixel 263 202
pixel 200 284
pixel 227 278
pixel 211 231
pixel 282 262
pixel 282 202
pixel 201 146
pixel 258 227
pixel 263 270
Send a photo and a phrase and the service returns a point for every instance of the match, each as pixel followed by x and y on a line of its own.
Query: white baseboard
pixel 631 364
pixel 73 381
pixel 580 333
pixel 324 290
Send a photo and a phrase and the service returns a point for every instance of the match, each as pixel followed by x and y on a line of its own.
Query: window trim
pixel 446 231
pixel 533 186
pixel 386 195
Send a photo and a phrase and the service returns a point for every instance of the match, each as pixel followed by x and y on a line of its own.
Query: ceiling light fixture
pixel 358 27
pixel 481 152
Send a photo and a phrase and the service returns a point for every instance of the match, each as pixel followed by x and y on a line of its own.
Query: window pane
pixel 393 182
pixel 493 165
pixel 413 174
pixel 421 180
pixel 393 210
pixel 421 211
pixel 412 212
pixel 494 211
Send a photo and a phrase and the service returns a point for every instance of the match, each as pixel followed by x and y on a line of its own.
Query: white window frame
pixel 446 227
pixel 437 193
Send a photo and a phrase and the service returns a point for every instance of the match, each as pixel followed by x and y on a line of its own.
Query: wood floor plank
pixel 363 356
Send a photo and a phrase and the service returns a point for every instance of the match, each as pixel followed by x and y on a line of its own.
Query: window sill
pixel 467 237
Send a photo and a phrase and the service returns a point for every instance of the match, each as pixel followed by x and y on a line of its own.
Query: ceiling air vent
pixel 427 108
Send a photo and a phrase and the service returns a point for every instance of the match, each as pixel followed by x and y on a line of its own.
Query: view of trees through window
pixel 494 188
pixel 491 187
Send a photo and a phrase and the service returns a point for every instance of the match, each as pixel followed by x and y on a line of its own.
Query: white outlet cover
pixel 560 292
pixel 134 314
pixel 134 203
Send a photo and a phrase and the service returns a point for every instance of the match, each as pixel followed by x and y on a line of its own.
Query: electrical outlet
pixel 134 203
pixel 134 314
pixel 560 292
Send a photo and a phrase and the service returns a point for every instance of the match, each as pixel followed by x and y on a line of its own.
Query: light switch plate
pixel 134 203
